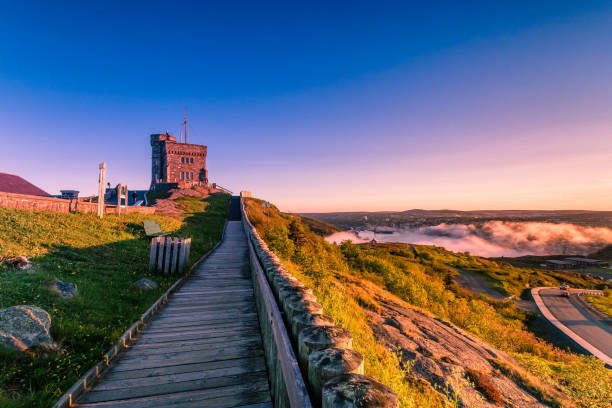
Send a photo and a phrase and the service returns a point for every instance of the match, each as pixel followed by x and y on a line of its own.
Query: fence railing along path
pixel 203 349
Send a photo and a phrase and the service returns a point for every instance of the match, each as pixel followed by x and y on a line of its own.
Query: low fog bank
pixel 496 238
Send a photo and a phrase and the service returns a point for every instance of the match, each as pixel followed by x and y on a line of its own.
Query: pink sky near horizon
pixel 503 108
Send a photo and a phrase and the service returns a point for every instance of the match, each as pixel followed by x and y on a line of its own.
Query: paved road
pixel 573 316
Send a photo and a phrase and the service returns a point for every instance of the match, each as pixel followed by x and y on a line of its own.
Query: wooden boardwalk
pixel 203 349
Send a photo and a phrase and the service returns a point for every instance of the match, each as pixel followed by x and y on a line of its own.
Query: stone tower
pixel 175 164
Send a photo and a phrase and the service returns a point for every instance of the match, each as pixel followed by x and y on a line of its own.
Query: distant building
pixel 582 262
pixel 10 183
pixel 69 194
pixel 557 264
pixel 176 164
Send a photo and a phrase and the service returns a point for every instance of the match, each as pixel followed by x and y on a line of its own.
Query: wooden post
pixel 153 258
pixel 168 255
pixel 187 249
pixel 160 256
pixel 101 181
pixel 177 254
pixel 119 199
pixel 182 255
pixel 173 243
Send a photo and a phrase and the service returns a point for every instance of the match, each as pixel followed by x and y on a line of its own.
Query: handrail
pixel 218 187
pixel 291 390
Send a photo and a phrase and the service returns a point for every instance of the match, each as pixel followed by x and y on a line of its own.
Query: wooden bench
pixel 152 229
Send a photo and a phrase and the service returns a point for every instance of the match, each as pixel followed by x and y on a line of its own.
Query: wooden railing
pixel 287 385
pixel 225 190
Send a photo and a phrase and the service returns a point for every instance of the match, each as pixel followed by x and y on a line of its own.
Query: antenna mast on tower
pixel 185 125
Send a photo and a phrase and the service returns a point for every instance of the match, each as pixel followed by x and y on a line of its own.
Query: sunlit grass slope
pixel 602 303
pixel 104 258
pixel 423 277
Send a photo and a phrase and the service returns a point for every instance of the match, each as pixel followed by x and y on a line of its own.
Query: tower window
pixel 182 175
pixel 182 160
pixel 191 160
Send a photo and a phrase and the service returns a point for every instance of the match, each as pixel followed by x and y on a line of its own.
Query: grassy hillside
pixel 602 303
pixel 319 227
pixel 104 258
pixel 604 253
pixel 423 277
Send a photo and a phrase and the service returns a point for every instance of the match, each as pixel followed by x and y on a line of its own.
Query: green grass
pixel 602 303
pixel 319 227
pixel 104 258
pixel 152 196
pixel 424 279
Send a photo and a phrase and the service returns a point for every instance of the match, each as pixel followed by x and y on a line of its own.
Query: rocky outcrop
pixel 23 327
pixel 447 357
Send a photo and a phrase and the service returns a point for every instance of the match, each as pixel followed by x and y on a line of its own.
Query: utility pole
pixel 185 125
pixel 101 189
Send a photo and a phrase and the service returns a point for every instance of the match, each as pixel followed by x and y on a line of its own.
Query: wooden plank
pixel 211 342
pixel 200 396
pixel 195 336
pixel 226 401
pixel 167 324
pixel 209 353
pixel 233 306
pixel 198 300
pixel 218 324
pixel 200 334
pixel 212 292
pixel 184 368
pixel 196 358
pixel 151 390
pixel 177 347
pixel 174 319
pixel 179 377
pixel 229 314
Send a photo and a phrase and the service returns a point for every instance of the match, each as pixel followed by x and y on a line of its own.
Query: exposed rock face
pixel 441 354
pixel 23 327
pixel 355 390
pixel 170 206
pixel 146 284
pixel 65 289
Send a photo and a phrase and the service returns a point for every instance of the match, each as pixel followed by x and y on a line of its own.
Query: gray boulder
pixel 146 284
pixel 65 289
pixel 24 326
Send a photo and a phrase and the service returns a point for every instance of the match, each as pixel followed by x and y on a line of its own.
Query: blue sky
pixel 345 107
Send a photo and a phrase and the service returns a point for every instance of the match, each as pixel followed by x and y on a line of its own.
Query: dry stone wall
pixel 333 372
pixel 39 203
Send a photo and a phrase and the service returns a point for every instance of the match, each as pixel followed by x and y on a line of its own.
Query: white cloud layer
pixel 496 238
